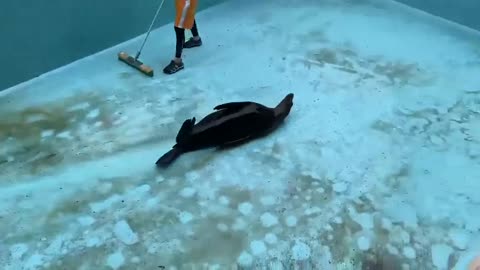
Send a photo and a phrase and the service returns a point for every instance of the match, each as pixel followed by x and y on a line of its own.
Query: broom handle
pixel 149 29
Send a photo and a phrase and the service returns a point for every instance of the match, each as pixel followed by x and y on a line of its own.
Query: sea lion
pixel 229 125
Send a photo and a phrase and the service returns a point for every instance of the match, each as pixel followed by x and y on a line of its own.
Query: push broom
pixel 133 61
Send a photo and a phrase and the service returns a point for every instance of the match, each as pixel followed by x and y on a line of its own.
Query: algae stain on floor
pixel 38 135
pixel 440 130
pixel 46 120
pixel 387 72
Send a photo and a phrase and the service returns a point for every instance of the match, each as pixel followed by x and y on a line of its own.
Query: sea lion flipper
pixel 185 130
pixel 168 158
pixel 232 105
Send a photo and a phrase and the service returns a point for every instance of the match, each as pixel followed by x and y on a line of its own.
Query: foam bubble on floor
pixel 224 200
pixel 300 251
pixel 271 238
pixel 268 219
pixel 245 259
pixel 185 217
pixel 86 220
pixel 245 208
pixel 116 260
pixel 291 221
pixel 409 252
pixel 363 243
pixel 93 113
pixel 124 233
pixel 258 247
pixel 440 255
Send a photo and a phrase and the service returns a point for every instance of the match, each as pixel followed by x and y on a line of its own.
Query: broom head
pixel 135 63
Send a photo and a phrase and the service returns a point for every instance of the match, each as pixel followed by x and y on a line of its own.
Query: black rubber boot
pixel 192 43
pixel 173 67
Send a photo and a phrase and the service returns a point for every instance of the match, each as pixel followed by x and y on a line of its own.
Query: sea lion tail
pixel 169 157
pixel 185 131
pixel 182 139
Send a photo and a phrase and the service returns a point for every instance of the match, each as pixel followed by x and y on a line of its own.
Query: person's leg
pixel 195 30
pixel 176 64
pixel 184 19
pixel 195 41
pixel 180 35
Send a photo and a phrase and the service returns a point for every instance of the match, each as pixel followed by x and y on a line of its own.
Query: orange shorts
pixel 185 13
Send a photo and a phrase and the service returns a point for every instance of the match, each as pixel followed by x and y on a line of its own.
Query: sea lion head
pixel 283 108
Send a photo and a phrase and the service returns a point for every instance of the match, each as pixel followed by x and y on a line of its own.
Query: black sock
pixel 180 33
pixel 195 29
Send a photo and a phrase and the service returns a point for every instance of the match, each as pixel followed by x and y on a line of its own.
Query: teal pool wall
pixel 39 36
